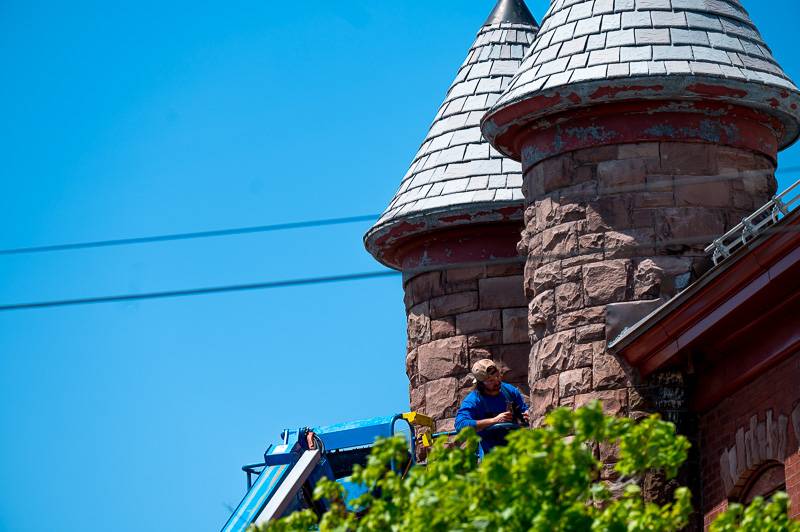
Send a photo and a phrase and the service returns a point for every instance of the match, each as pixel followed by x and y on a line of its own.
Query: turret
pixel 646 129
pixel 452 228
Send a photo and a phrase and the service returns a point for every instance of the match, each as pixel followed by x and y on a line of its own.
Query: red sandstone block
pixel 614 401
pixel 704 194
pixel 557 173
pixel 454 304
pixel 643 150
pixel 680 158
pixel 651 200
pixel 605 282
pixel 543 395
pixel 733 160
pixel 443 358
pixel 423 287
pixel 569 297
pixel 442 328
pixel 609 212
pixel 560 241
pixel 581 318
pixel 620 176
pixel 502 270
pixel 479 320
pixel 630 243
pixel 484 339
pixel 514 361
pixel 515 326
pixel 598 154
pixel 685 224
pixel 459 275
pixel 502 292
pixel 574 382
pixel 607 373
pixel 555 353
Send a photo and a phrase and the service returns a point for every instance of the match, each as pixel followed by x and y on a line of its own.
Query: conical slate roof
pixel 599 50
pixel 456 172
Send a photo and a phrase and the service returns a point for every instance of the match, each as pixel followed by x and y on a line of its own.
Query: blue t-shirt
pixel 477 406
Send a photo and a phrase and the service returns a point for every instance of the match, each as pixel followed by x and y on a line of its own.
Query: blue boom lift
pixel 285 480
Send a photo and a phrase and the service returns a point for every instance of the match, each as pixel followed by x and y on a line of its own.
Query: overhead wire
pixel 408 273
pixel 190 236
pixel 570 195
pixel 255 229
pixel 199 291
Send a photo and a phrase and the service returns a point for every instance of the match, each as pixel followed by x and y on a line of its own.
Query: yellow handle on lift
pixel 421 420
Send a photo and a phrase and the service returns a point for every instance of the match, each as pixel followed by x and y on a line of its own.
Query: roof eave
pixel 501 124
pixel 667 334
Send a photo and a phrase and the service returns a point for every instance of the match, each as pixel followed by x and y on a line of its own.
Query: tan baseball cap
pixel 483 369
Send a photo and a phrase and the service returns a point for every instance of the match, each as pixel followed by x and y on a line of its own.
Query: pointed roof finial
pixel 511 11
pixel 456 178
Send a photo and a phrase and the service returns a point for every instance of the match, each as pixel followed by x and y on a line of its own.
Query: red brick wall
pixel 617 224
pixel 456 317
pixel 793 484
pixel 713 513
pixel 758 423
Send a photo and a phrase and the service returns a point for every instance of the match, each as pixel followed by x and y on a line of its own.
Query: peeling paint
pixel 595 133
pixel 716 90
pixel 397 231
pixel 531 154
pixel 661 130
pixel 613 92
pixel 456 218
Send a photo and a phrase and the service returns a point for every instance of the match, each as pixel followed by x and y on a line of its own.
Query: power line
pixel 631 251
pixel 201 291
pixel 190 236
pixel 281 226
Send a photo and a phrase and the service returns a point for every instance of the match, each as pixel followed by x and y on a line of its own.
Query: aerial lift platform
pixel 285 480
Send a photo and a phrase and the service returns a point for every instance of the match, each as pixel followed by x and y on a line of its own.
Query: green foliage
pixel 760 516
pixel 544 479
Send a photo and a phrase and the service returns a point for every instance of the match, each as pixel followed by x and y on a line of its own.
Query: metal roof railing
pixel 755 224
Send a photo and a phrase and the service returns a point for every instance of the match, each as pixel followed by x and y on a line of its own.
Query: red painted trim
pixel 393 241
pixel 647 121
pixel 750 355
pixel 459 245
pixel 504 126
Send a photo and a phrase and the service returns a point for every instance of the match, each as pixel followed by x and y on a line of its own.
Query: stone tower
pixel 461 204
pixel 646 129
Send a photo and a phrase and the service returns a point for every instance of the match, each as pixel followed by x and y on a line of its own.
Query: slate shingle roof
pixel 613 41
pixel 455 169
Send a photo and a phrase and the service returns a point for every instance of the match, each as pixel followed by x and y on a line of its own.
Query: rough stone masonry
pixel 616 224
pixel 455 318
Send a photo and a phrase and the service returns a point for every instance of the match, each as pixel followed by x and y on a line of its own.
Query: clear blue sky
pixel 134 118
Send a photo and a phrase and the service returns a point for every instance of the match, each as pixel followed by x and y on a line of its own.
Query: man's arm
pixel 503 417
pixel 467 413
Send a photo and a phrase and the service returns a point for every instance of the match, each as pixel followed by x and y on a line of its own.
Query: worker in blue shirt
pixel 493 408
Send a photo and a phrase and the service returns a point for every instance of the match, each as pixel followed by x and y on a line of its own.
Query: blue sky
pixel 134 118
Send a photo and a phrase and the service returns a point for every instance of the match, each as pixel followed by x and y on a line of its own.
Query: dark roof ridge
pixel 511 11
